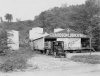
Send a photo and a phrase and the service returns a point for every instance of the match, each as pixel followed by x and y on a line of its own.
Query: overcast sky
pixel 27 9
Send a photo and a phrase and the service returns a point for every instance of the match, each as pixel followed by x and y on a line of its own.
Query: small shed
pixel 35 32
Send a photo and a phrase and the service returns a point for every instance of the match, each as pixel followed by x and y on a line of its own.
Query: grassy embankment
pixel 91 59
pixel 16 60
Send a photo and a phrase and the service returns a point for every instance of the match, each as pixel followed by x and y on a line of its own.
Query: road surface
pixel 50 66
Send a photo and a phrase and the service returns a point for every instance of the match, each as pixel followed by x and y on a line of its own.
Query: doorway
pixel 85 42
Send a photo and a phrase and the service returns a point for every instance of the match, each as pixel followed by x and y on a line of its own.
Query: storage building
pixel 73 40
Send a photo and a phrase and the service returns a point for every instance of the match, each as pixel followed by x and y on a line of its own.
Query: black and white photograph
pixel 49 37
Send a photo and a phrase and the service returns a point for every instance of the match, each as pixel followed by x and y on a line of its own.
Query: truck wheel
pixel 64 55
pixel 47 52
pixel 55 54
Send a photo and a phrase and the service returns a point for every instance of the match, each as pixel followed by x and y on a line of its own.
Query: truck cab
pixel 55 48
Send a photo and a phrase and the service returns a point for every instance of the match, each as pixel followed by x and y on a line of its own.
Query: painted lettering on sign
pixel 67 35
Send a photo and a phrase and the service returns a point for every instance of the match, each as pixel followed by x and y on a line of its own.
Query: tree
pixel 50 19
pixel 53 18
pixel 1 19
pixel 3 42
pixel 44 20
pixel 85 18
pixel 97 2
pixel 8 17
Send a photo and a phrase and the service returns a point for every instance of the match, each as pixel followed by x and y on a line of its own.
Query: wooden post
pixel 90 45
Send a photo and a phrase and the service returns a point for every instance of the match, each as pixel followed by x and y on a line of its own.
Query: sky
pixel 28 9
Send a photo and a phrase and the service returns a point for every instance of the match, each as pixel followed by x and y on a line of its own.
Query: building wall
pixel 38 44
pixel 35 32
pixel 14 37
pixel 71 43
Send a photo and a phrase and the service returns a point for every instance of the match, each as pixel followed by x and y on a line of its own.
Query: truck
pixel 55 48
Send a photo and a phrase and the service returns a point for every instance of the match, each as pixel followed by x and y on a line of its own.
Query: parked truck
pixel 69 44
pixel 55 48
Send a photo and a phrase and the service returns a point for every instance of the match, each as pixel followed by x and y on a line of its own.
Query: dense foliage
pixel 3 42
pixel 90 59
pixel 17 60
pixel 83 18
pixel 86 18
pixel 8 17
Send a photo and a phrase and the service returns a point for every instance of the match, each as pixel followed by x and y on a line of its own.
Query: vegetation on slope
pixel 83 18
pixel 91 59
pixel 16 60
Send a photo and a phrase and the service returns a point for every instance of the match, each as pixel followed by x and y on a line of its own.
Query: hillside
pixel 81 18
pixel 23 27
pixel 20 26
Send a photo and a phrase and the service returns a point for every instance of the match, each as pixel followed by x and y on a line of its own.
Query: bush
pixel 91 59
pixel 17 60
pixel 14 64
pixel 4 41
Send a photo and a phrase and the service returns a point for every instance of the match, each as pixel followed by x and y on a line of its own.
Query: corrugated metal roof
pixel 67 33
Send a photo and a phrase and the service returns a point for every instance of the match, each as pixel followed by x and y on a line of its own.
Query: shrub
pixel 4 48
pixel 91 59
pixel 14 64
pixel 17 60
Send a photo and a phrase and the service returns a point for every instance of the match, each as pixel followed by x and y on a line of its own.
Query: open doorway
pixel 48 44
pixel 85 42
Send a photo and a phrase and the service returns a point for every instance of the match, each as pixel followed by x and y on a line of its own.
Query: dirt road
pixel 50 66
